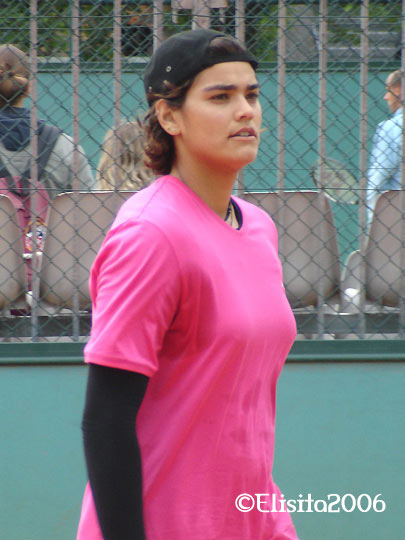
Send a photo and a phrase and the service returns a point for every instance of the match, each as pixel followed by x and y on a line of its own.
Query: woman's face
pixel 219 122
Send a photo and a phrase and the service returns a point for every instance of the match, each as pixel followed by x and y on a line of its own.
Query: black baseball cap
pixel 182 56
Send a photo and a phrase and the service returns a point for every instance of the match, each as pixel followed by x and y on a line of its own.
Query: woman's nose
pixel 245 108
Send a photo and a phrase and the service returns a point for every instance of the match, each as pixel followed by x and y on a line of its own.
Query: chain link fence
pixel 323 71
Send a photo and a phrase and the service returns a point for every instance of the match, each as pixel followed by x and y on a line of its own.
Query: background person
pixel 191 325
pixel 15 124
pixel 121 163
pixel 55 169
pixel 384 171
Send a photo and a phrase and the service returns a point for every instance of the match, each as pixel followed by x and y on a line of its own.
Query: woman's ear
pixel 167 117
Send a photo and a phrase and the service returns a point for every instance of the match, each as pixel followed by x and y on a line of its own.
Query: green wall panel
pixel 341 429
pixel 42 471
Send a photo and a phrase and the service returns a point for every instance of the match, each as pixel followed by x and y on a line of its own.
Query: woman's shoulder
pixel 152 209
pixel 252 210
pixel 161 202
pixel 256 219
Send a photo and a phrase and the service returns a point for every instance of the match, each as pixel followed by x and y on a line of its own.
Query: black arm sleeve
pixel 111 450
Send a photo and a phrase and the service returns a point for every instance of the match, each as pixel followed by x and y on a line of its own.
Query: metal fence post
pixel 34 167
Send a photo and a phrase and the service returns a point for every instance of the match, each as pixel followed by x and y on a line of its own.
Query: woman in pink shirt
pixel 191 325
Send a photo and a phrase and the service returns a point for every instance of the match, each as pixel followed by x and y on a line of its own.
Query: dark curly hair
pixel 159 146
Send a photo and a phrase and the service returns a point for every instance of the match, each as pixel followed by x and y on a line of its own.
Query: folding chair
pixel 13 279
pixel 374 285
pixel 308 248
pixel 77 225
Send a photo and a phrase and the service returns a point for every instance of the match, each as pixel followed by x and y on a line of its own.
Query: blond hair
pixel 121 163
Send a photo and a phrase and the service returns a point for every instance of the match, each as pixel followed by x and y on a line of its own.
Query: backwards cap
pixel 182 56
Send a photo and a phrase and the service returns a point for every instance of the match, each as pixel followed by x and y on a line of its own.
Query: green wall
pixel 96 116
pixel 340 429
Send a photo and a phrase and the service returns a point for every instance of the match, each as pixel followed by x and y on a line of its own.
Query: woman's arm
pixel 112 452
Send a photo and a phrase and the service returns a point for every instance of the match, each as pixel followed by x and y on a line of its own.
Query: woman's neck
pixel 214 189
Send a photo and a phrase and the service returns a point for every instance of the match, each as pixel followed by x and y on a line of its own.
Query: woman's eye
pixel 254 96
pixel 220 97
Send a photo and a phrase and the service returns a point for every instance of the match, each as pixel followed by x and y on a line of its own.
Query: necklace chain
pixel 228 211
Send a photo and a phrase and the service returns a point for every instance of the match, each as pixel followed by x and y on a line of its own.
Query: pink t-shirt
pixel 200 308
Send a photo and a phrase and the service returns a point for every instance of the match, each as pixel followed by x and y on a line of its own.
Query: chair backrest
pixel 77 225
pixel 308 246
pixel 385 252
pixel 12 266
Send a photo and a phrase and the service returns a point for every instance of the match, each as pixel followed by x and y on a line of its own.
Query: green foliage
pixel 261 35
pixel 96 25
pixel 345 20
pixel 96 32
pixel 54 20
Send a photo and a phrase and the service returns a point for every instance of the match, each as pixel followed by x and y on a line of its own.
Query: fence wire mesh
pixel 323 73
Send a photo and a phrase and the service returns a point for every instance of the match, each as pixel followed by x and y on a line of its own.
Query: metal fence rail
pixel 323 69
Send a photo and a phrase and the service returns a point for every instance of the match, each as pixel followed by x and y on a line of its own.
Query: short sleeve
pixel 135 287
